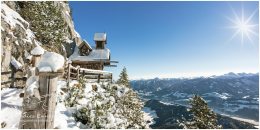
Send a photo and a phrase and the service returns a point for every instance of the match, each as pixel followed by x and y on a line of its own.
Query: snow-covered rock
pixel 72 35
pixel 38 50
pixel 12 18
pixel 16 36
pixel 16 64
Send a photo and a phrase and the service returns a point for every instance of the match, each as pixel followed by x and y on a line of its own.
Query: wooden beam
pixel 59 72
pixel 86 62
pixel 94 71
pixel 7 72
pixel 89 62
pixel 110 65
pixel 96 76
pixel 6 82
pixel 113 61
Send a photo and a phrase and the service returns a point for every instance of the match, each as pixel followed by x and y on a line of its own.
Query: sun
pixel 243 26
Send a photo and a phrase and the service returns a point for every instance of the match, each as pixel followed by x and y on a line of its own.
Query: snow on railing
pixel 95 71
pixel 87 73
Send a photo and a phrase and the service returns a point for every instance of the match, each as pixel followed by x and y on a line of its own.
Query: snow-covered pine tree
pixel 75 93
pixel 202 116
pixel 111 106
pixel 131 108
pixel 46 22
pixel 130 104
pixel 123 78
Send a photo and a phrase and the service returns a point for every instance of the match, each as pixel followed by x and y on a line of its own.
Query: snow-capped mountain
pixel 231 94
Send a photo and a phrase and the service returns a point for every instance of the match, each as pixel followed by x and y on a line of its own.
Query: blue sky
pixel 172 39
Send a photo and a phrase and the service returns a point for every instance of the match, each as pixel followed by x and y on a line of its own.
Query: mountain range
pixel 232 94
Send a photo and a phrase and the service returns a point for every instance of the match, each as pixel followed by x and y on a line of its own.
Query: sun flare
pixel 243 26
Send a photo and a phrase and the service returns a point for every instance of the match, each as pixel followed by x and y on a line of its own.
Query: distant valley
pixel 169 116
pixel 230 94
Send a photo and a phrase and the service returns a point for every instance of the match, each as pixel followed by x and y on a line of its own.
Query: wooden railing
pixel 89 74
pixel 5 82
pixel 12 80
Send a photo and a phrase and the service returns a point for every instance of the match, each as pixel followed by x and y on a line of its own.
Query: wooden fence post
pixel 52 101
pixel 98 78
pixel 40 109
pixel 12 78
pixel 78 70
pixel 68 74
pixel 48 88
pixel 111 78
pixel 36 60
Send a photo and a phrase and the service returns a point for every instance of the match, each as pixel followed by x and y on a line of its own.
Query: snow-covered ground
pixel 63 118
pixel 243 119
pixel 166 103
pixel 150 115
pixel 11 107
pixel 223 96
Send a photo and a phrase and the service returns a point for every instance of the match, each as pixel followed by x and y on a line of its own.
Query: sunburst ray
pixel 242 25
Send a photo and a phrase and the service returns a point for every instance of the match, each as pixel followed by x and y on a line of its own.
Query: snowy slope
pixel 11 105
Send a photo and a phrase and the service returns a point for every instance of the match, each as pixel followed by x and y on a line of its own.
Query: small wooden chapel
pixel 95 58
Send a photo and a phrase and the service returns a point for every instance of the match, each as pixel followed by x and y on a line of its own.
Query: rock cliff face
pixel 18 39
pixel 73 34
pixel 68 20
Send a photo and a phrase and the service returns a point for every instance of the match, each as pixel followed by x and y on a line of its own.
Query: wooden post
pixel 98 78
pixel 36 60
pixel 12 78
pixel 41 106
pixel 51 101
pixel 78 69
pixel 111 78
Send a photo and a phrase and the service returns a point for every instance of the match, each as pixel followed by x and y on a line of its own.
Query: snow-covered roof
pixel 100 54
pixel 94 55
pixel 50 62
pixel 100 37
pixel 77 34
pixel 85 43
pixel 15 63
pixel 37 51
